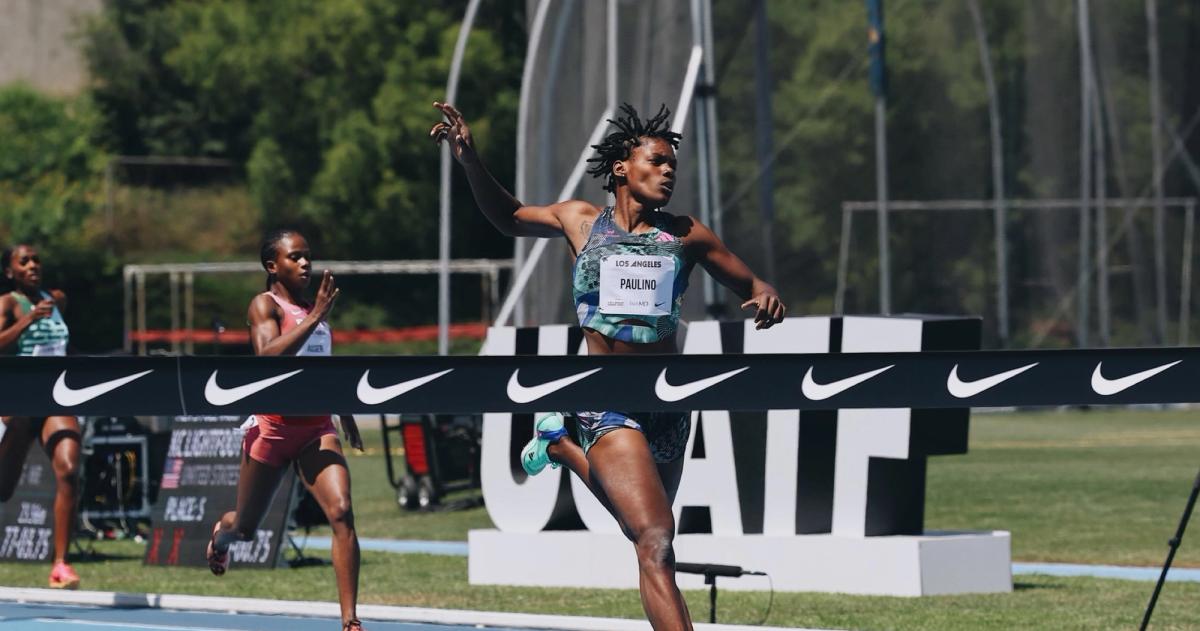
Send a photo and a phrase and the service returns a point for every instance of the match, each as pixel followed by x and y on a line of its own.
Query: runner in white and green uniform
pixel 31 324
pixel 632 264
pixel 47 336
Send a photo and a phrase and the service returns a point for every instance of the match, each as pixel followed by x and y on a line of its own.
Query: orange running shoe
pixel 353 625
pixel 63 577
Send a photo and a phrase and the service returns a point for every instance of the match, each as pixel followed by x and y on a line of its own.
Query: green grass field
pixel 1078 487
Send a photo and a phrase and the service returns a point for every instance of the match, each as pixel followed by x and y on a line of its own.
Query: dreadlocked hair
pixel 631 130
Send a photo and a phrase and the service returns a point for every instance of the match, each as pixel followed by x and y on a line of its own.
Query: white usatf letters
pixel 371 395
pixel 966 389
pixel 67 396
pixel 217 395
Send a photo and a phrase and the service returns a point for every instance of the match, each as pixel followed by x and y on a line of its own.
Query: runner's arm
pixel 502 209
pixel 729 270
pixel 265 336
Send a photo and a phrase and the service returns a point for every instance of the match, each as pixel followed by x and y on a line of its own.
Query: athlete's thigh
pixel 622 464
pixel 257 483
pixel 324 471
pixel 61 439
pixel 670 473
pixel 14 446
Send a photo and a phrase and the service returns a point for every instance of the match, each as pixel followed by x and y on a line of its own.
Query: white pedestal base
pixel 935 563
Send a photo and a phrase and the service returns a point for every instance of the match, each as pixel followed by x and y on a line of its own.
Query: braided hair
pixel 631 130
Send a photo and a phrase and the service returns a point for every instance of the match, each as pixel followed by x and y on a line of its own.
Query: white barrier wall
pixel 822 500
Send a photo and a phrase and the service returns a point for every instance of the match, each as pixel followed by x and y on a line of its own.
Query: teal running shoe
pixel 547 429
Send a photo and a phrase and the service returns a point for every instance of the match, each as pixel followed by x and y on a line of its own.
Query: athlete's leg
pixel 61 438
pixel 257 482
pixel 323 470
pixel 565 452
pixel 14 446
pixel 622 466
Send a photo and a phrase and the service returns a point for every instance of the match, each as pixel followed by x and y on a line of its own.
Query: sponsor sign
pixel 199 484
pixel 27 518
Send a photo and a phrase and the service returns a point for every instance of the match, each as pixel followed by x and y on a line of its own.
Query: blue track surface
pixel 29 617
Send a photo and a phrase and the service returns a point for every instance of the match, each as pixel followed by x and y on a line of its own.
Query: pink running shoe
pixel 63 577
pixel 353 625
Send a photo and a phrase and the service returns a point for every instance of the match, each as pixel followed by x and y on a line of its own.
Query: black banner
pixel 199 484
pixel 38 386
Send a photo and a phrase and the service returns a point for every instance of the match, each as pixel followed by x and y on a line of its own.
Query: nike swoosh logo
pixel 68 396
pixel 821 391
pixel 966 389
pixel 217 395
pixel 526 394
pixel 1105 387
pixel 374 396
pixel 669 393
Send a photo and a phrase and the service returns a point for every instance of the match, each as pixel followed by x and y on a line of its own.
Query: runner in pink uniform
pixel 283 322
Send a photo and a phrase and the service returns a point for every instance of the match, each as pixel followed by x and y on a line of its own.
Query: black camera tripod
pixel 1174 544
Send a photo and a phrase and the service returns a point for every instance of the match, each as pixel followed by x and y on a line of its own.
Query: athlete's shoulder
pixel 682 226
pixel 579 208
pixel 262 306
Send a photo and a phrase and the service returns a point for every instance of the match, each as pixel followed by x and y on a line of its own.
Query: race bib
pixel 632 284
pixel 51 349
pixel 319 342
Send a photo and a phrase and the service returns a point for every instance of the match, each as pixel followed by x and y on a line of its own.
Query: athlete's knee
pixel 655 547
pixel 66 471
pixel 339 512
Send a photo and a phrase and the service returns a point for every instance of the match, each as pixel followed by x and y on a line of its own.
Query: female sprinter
pixel 282 322
pixel 632 461
pixel 31 323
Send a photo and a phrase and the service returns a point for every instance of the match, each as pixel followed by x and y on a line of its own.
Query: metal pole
pixel 710 121
pixel 536 29
pixel 839 295
pixel 173 278
pixel 999 212
pixel 881 192
pixel 1160 260
pixel 1185 274
pixel 1102 302
pixel 493 292
pixel 141 312
pixel 1085 172
pixel 189 311
pixel 109 221
pixel 460 47
pixel 764 136
pixel 878 80
pixel 127 288
pixel 704 170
